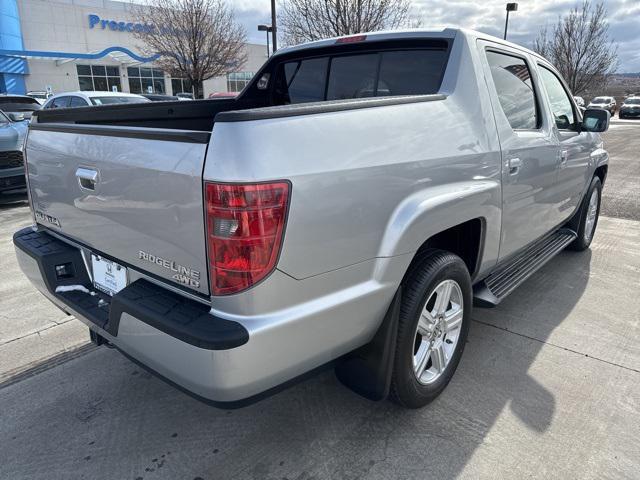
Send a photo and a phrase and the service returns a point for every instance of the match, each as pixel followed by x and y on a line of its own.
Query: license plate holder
pixel 108 276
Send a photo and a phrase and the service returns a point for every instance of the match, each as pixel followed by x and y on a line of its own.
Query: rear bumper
pixel 228 360
pixel 172 335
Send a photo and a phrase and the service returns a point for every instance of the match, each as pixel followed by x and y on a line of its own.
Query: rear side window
pixel 77 102
pixel 512 79
pixel 60 102
pixel 339 77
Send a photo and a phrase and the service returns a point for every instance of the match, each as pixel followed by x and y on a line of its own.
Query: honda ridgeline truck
pixel 348 208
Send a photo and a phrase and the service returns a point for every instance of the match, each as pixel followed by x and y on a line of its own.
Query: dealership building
pixel 66 45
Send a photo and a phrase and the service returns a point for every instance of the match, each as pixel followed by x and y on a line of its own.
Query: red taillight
pixel 245 224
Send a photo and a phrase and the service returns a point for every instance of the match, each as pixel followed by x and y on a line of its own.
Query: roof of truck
pixel 440 32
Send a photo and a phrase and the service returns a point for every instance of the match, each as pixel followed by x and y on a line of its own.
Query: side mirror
pixel 596 120
pixel 16 116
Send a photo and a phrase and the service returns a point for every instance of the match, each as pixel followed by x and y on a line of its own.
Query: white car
pixel 40 96
pixel 89 98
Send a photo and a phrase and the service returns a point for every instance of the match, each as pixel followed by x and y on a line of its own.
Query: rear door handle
pixel 564 155
pixel 87 178
pixel 514 166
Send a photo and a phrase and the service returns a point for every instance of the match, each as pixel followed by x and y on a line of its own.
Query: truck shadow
pixel 131 425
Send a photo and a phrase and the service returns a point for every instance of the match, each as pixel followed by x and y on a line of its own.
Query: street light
pixel 274 31
pixel 511 7
pixel 268 29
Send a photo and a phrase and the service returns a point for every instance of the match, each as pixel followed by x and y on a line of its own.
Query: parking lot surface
pixel 548 387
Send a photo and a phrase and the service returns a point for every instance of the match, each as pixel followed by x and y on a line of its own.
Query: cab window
pixel 561 105
pixel 360 75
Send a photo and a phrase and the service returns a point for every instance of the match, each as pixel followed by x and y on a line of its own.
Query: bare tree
pixel 580 47
pixel 308 20
pixel 196 39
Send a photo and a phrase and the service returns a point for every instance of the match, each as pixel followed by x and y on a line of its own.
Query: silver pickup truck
pixel 347 209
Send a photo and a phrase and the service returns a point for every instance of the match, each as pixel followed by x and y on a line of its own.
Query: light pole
pixel 511 7
pixel 274 28
pixel 268 29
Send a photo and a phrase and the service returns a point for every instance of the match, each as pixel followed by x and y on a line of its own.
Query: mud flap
pixel 367 371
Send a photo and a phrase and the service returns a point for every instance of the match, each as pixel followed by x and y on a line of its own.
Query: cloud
pixel 488 16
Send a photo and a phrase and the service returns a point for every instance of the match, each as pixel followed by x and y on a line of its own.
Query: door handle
pixel 564 155
pixel 514 166
pixel 87 178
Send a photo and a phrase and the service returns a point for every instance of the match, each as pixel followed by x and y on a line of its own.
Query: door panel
pixel 574 146
pixel 529 148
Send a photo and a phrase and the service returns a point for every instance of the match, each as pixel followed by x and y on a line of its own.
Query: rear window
pixel 115 100
pixel 19 104
pixel 361 75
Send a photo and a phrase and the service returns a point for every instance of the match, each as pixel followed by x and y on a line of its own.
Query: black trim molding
pixel 322 107
pixel 164 134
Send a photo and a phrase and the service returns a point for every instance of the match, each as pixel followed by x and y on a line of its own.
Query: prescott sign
pixel 95 22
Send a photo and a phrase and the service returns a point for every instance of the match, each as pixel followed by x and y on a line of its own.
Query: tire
pixel 589 214
pixel 417 381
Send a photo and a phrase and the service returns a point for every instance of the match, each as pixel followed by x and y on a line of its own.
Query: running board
pixel 494 288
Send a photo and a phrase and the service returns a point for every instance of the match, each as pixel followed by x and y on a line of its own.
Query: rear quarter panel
pixel 374 182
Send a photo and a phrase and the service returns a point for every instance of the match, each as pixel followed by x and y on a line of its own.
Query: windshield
pixel 113 100
pixel 601 100
pixel 41 96
pixel 17 104
pixel 632 101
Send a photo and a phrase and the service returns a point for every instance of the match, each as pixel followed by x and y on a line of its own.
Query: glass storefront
pixel 99 77
pixel 145 80
pixel 237 81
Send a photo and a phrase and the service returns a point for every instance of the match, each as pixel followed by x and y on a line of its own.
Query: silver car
pixel 349 208
pixel 12 135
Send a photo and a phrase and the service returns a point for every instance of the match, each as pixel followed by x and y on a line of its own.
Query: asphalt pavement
pixel 548 387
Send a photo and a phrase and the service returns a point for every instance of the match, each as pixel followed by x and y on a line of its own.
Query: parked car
pixel 184 96
pixel 604 103
pixel 12 135
pixel 91 98
pixel 319 220
pixel 40 96
pixel 630 108
pixel 18 107
pixel 158 97
pixel 579 101
pixel 223 95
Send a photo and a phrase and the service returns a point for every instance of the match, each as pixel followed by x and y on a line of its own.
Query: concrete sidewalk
pixel 549 387
pixel 32 329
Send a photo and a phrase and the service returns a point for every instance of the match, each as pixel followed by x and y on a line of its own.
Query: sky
pixel 488 16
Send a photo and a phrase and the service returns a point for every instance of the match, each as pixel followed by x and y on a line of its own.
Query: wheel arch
pixel 463 218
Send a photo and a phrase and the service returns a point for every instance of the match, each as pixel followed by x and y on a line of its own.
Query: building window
pixel 237 81
pixel 181 85
pixel 99 77
pixel 145 80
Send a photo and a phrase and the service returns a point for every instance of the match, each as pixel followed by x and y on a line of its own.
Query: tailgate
pixel 133 194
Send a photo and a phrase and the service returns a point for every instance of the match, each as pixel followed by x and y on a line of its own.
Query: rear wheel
pixel 432 330
pixel 589 214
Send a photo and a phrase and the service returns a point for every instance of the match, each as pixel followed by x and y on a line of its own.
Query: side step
pixel 491 291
